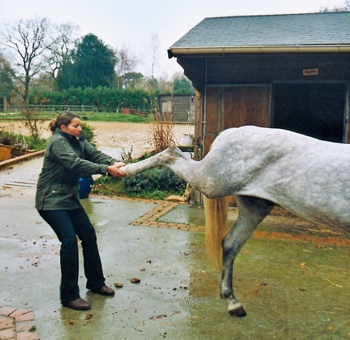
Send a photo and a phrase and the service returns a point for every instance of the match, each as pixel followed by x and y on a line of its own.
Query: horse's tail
pixel 216 211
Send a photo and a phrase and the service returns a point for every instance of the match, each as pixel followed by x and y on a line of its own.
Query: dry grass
pixel 162 132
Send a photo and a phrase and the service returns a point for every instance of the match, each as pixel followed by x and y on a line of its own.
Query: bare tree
pixel 151 57
pixel 28 40
pixel 61 45
pixel 126 62
pixel 344 8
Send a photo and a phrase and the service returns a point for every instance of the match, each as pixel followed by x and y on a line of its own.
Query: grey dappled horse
pixel 262 167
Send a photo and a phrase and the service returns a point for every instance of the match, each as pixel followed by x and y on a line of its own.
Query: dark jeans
pixel 67 224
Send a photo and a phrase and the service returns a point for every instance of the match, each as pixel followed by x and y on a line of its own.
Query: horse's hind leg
pixel 252 211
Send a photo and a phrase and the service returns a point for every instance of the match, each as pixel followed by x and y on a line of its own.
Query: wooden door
pixel 235 106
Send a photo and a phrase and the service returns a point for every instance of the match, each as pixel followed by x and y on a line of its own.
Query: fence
pixel 14 109
pixel 50 111
pixel 137 112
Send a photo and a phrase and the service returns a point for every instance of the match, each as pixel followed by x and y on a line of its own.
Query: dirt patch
pixel 109 134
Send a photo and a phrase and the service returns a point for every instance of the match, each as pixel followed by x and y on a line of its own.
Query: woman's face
pixel 73 128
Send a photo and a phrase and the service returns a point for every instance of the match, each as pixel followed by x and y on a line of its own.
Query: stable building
pixel 177 108
pixel 285 71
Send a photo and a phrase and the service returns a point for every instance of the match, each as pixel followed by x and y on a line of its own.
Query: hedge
pixel 104 98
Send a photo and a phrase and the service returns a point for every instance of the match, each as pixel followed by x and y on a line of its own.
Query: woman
pixel 68 157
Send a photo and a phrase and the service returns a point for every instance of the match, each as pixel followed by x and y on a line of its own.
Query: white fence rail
pixel 16 111
pixel 13 109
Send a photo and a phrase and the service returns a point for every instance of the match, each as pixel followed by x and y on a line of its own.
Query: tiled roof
pixel 332 28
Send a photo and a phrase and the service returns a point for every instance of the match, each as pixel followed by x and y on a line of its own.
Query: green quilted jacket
pixel 66 160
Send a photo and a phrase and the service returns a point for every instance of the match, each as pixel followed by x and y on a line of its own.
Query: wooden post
pixel 198 127
pixel 5 104
pixel 198 134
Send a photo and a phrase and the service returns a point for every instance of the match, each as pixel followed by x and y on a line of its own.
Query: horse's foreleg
pixel 252 211
pixel 167 158
pixel 172 158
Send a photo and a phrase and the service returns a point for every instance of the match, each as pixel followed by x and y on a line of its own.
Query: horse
pixel 263 167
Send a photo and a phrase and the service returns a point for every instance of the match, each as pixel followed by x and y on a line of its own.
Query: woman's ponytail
pixel 53 125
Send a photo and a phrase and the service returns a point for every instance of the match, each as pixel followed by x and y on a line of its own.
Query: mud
pixel 110 134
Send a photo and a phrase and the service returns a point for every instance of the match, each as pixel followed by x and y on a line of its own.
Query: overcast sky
pixel 133 22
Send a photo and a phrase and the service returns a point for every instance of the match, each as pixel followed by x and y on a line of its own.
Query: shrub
pixel 88 133
pixel 161 179
pixel 36 144
pixel 6 138
pixel 22 142
pixel 156 183
pixel 19 143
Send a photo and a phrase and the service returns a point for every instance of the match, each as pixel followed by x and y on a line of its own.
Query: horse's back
pixel 307 176
pixel 273 144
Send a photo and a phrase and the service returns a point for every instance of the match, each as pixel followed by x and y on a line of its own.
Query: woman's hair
pixel 64 118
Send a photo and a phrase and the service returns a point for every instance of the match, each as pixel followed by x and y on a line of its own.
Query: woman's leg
pixel 92 261
pixel 61 222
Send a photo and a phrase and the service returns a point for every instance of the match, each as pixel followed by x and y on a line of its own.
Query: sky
pixel 132 23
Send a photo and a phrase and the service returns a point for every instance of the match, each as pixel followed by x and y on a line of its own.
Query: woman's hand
pixel 114 171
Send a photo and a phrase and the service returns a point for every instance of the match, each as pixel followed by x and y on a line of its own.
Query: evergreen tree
pixel 6 80
pixel 131 79
pixel 91 64
pixel 66 75
pixel 181 85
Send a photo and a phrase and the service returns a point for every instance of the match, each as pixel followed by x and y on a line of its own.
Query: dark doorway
pixel 316 110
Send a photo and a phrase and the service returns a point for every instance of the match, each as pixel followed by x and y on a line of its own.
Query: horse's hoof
pixel 237 310
pixel 123 170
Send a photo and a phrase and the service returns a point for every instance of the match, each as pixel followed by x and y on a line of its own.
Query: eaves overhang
pixel 186 51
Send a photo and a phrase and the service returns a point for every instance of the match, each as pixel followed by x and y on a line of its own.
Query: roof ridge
pixel 275 15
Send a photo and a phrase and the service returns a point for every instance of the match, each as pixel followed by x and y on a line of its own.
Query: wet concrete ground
pixel 290 290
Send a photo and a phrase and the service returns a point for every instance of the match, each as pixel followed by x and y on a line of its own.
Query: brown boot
pixel 78 304
pixel 104 291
